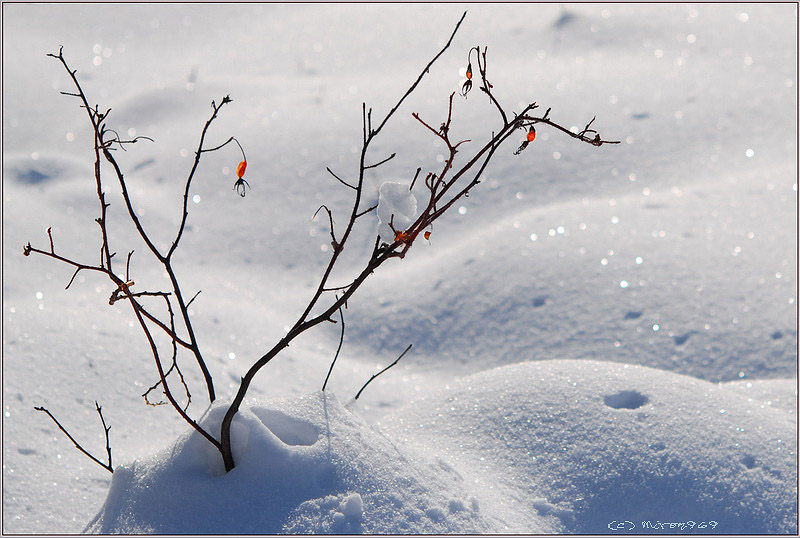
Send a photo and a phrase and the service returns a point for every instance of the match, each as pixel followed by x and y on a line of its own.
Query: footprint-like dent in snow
pixel 748 461
pixel 144 164
pixel 31 176
pixel 288 429
pixel 632 315
pixel 681 339
pixel 541 300
pixel 625 399
pixel 24 170
pixel 777 335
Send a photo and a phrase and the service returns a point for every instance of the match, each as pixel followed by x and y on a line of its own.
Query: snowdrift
pixel 551 446
pixel 305 465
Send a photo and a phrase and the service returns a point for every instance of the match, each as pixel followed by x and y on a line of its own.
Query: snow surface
pixel 602 336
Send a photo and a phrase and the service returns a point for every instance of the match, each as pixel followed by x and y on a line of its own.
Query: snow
pixel 584 443
pixel 337 476
pixel 605 339
pixel 397 208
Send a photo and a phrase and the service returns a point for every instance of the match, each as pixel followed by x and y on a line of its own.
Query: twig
pixel 174 365
pixel 445 187
pixel 99 128
pixel 128 266
pixel 411 186
pixel 379 373
pixel 228 141
pixel 193 298
pixel 106 429
pixel 338 349
pixel 335 244
pixel 370 208
pixel 389 158
pixel 343 182
pixel 107 466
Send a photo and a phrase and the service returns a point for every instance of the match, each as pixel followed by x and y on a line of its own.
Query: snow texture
pixel 605 339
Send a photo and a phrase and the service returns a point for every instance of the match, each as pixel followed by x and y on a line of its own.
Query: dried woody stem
pixel 103 147
pixel 441 188
pixel 403 354
pixel 306 321
pixel 107 466
pixel 443 193
pixel 338 349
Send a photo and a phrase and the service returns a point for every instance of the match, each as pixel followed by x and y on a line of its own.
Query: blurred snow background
pixel 675 251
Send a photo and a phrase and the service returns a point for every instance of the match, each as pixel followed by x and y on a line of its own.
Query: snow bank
pixel 591 444
pixel 635 278
pixel 552 446
pixel 305 465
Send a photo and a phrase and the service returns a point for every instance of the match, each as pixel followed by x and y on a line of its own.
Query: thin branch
pixel 379 373
pixel 193 298
pixel 97 119
pixel 338 349
pixel 595 141
pixel 390 157
pixel 338 288
pixel 419 169
pixel 195 164
pixel 424 71
pixel 28 249
pixel 334 243
pixel 228 141
pixel 166 259
pixel 128 267
pixel 174 365
pixel 106 429
pixel 106 466
pixel 71 280
pixel 343 182
pixel 162 376
pixel 487 87
pixel 364 121
pixel 434 131
pixel 371 208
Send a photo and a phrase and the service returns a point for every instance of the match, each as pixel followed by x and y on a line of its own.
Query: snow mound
pixel 305 465
pixel 590 444
pixel 677 302
pixel 573 446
